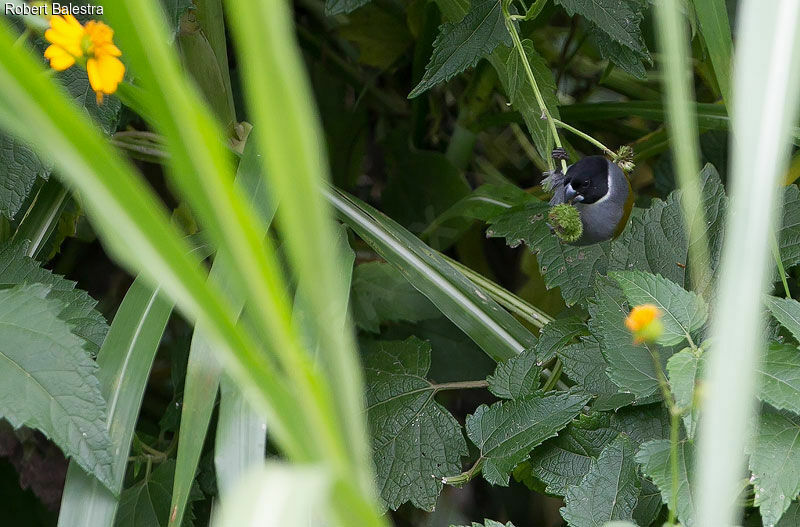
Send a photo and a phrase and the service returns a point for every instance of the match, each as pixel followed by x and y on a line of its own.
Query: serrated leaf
pixel 654 457
pixel 461 45
pixel 682 311
pixel 609 491
pixel 381 294
pixel 642 423
pixel 510 69
pixel 47 380
pixel 415 440
pixel 787 312
pixel 572 269
pixel 562 462
pixel 630 60
pixel 655 240
pixel 146 503
pixel 507 431
pixel 616 18
pixel 775 464
pixel 517 376
pixel 341 7
pixel 684 369
pixel 78 308
pixel 789 234
pixel 779 377
pixel 20 168
pixel 556 334
pixel 487 523
pixel 630 366
pixel 585 365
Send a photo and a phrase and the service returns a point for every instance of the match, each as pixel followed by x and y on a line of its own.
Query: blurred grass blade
pixel 498 333
pixel 42 216
pixel 200 167
pixel 765 103
pixel 134 226
pixel 682 127
pixel 716 30
pixel 124 366
pixel 203 369
pixel 280 102
pixel 241 438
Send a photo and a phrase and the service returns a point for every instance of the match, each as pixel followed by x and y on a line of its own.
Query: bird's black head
pixel 587 180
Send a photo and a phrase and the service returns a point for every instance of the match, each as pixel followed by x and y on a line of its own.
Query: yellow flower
pixel 643 321
pixel 92 45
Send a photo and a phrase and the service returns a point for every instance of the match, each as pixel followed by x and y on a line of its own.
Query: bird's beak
pixel 571 195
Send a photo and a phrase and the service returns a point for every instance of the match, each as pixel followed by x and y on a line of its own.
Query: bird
pixel 600 192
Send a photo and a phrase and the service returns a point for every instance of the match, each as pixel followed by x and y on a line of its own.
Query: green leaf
pixel 642 423
pixel 510 69
pixel 789 233
pixel 716 29
pixel 340 7
pixel 585 365
pixel 616 18
pixel 655 241
pixel 609 491
pixel 124 363
pixel 632 61
pixel 415 440
pixel 775 464
pixel 562 462
pixel 381 294
pixel 787 312
pixel 682 311
pixel 78 308
pixel 174 9
pixel 629 366
pixel 572 269
pixel 380 35
pixel 498 333
pixel 655 460
pixel 20 169
pixel 461 45
pixel 791 518
pixel 779 377
pixel 649 505
pixel 556 334
pixel 487 523
pixel 684 369
pixel 507 431
pixel 48 379
pixel 517 376
pixel 146 503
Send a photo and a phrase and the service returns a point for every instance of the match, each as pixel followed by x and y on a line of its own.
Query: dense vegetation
pixel 177 304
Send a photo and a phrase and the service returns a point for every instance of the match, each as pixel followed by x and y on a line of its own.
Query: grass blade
pixel 765 106
pixel 499 334
pixel 716 30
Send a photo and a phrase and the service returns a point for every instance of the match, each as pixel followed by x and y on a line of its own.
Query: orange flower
pixel 643 321
pixel 90 45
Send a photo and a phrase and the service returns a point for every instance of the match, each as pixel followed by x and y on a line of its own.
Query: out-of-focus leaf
pixel 146 503
pixel 380 36
pixel 516 377
pixel 629 366
pixel 487 523
pixel 507 431
pixel 775 464
pixel 655 460
pixel 460 45
pixel 779 377
pixel 339 7
pixel 78 308
pixel 609 491
pixel 415 440
pixel 790 518
pixel 682 311
pixel 510 69
pixel 49 380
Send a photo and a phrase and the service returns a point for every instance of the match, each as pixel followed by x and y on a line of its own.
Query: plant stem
pixel 554 377
pixel 529 72
pixel 776 253
pixel 674 416
pixel 464 477
pixel 585 136
pixel 459 385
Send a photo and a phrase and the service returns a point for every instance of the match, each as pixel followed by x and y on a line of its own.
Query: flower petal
pixel 59 58
pixel 105 73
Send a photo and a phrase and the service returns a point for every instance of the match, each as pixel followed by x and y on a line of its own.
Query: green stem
pixel 554 377
pixel 460 385
pixel 776 253
pixel 529 72
pixel 674 415
pixel 585 136
pixel 464 477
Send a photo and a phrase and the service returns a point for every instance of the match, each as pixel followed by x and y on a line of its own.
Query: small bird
pixel 602 194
